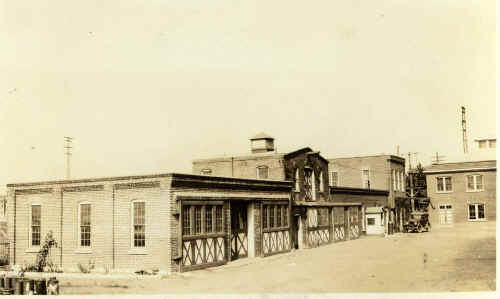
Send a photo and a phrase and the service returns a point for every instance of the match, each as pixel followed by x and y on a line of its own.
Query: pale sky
pixel 147 86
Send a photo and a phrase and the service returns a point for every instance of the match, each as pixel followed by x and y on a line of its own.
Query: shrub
pixel 42 258
pixel 86 269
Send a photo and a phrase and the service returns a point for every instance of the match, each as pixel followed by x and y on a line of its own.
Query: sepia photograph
pixel 228 147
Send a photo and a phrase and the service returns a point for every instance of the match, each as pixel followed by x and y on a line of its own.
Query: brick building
pixel 320 214
pixel 461 192
pixel 172 222
pixel 378 172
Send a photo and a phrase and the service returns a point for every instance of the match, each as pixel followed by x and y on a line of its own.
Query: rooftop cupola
pixel 262 143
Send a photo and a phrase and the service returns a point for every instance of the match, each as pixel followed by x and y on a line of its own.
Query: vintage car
pixel 418 222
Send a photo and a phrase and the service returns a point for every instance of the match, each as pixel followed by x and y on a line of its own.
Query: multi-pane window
pixel 297 180
pixel 278 216
pixel 370 221
pixel 285 215
pixel 394 179
pixel 36 215
pixel 321 183
pixel 271 216
pixel 274 216
pixel 197 220
pixel 85 222
pixel 476 211
pixel 444 184
pixel 334 178
pixel 186 220
pixel 475 182
pixel 264 216
pixel 218 219
pixel 365 173
pixel 202 219
pixel 482 143
pixel 139 223
pixel 262 172
pixel 322 216
pixel 208 219
pixel 493 143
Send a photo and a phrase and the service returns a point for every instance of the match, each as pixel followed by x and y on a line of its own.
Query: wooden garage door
pixel 203 235
pixel 339 225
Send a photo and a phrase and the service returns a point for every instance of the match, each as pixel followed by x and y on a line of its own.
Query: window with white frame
pixel 84 224
pixel 262 172
pixel 139 223
pixel 403 180
pixel 482 143
pixel 475 182
pixel 476 212
pixel 493 143
pixel 297 180
pixel 365 176
pixel 334 178
pixel 444 184
pixel 36 224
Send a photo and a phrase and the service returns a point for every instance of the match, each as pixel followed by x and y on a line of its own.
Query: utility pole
pixel 464 131
pixel 438 159
pixel 68 148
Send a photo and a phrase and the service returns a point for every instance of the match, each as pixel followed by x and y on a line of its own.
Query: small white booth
pixel 374 220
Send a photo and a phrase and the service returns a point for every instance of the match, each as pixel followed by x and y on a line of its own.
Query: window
pixel 365 173
pixel 285 216
pixel 200 219
pixel 297 180
pixel 218 219
pixel 475 182
pixel 36 215
pixel 493 143
pixel 371 221
pixel 444 184
pixel 476 212
pixel 323 216
pixel 394 179
pixel 186 220
pixel 206 171
pixel 85 224
pixel 321 182
pixel 197 220
pixel 482 143
pixel 264 216
pixel 313 186
pixel 274 216
pixel 334 178
pixel 403 179
pixel 271 216
pixel 139 218
pixel 262 172
pixel 208 219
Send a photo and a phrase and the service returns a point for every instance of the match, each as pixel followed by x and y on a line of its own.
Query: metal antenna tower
pixel 464 131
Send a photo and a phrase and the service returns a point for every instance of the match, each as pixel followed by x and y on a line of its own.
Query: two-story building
pixel 379 172
pixel 461 191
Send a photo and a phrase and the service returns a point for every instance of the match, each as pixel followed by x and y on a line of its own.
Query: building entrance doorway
pixel 445 214
pixel 239 230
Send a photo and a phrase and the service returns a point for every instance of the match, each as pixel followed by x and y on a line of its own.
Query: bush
pixel 42 258
pixel 86 269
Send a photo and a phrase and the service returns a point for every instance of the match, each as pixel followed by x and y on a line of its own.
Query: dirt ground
pixel 460 258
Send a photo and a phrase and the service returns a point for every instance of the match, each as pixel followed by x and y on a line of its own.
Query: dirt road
pixel 461 258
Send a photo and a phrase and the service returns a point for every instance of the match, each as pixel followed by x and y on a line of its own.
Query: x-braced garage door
pixel 353 222
pixel 203 235
pixel 275 228
pixel 239 230
pixel 318 230
pixel 339 224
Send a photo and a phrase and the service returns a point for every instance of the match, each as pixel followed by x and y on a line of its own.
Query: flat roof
pixel 464 166
pixel 174 176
